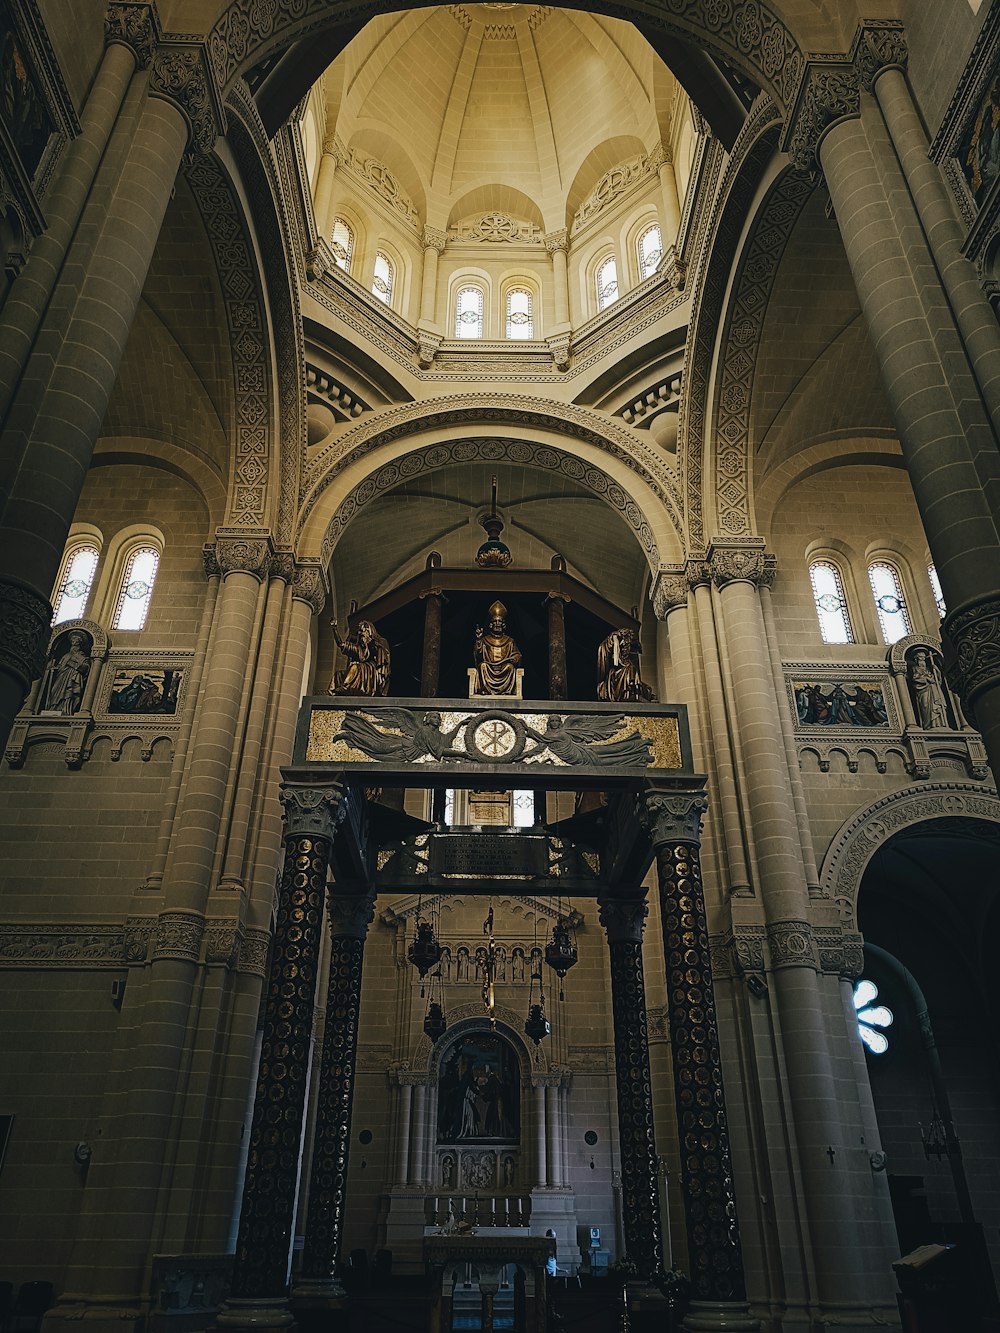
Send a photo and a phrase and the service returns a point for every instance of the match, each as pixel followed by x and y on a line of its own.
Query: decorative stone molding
pixel 559 346
pixel 350 914
pixel 25 623
pixel 672 816
pixel 64 945
pixel 495 228
pixel 673 268
pixel 239 554
pixel 878 45
pixel 556 241
pixel 613 184
pixel 624 919
pixel 380 180
pixel 428 346
pixel 790 944
pixel 698 572
pixel 253 952
pixel 841 952
pixel 974 632
pixel 178 935
pixel 656 1022
pixel 670 590
pixel 137 937
pixel 309 586
pixel 829 92
pixel 312 810
pixel 435 239
pixel 318 261
pixel 738 562
pixel 210 561
pixel 180 74
pixel 135 24
pixel 740 952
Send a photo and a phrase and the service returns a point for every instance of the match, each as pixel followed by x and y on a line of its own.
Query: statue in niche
pixel 368 661
pixel 508 1172
pixel 497 656
pixel 927 689
pixel 66 675
pixel 448 1171
pixel 618 669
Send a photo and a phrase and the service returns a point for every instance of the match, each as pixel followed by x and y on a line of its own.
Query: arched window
pixel 607 283
pixel 136 589
pixel 342 243
pixel 873 1018
pixel 932 574
pixel 470 307
pixel 831 604
pixel 650 248
pixel 385 278
pixel 520 313
pixel 887 589
pixel 75 583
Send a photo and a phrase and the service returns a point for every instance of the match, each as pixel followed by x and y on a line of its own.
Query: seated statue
pixel 618 670
pixel 497 656
pixel 368 661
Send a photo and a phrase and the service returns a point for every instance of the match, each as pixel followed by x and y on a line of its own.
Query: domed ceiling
pixel 519 108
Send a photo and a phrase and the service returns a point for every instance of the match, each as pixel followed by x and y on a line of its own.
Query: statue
pixel 618 669
pixel 368 660
pixel 65 677
pixel 497 656
pixel 926 687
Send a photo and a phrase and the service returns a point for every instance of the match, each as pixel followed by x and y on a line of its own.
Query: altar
pixel 489 1255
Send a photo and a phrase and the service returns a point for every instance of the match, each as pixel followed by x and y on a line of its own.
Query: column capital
pixel 309 586
pixel 315 810
pixel 879 44
pixel 740 562
pixel 623 918
pixel 333 147
pixel 135 24
pixel 697 571
pixel 435 239
pixel 181 73
pixel 672 816
pixel 670 590
pixel 25 625
pixel 243 553
pixel 350 914
pixel 828 92
pixel 790 944
pixel 661 156
pixel 974 666
pixel 556 240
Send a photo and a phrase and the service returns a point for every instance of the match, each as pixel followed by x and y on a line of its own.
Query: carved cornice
pixel 178 936
pixel 350 914
pixel 623 918
pixel 878 45
pixel 253 952
pixel 841 952
pixel 672 816
pixel 829 92
pixel 180 74
pixel 790 944
pixel 25 622
pixel 315 810
pixel 309 586
pixel 974 633
pixel 243 555
pixel 135 24
pixel 670 590
pixel 739 562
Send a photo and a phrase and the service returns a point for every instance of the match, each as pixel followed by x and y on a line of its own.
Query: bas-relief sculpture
pixel 620 680
pixel 926 684
pixel 848 703
pixel 66 674
pixel 368 661
pixel 497 656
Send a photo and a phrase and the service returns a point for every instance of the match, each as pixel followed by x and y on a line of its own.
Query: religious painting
pixel 145 690
pixel 979 150
pixel 479 1095
pixel 836 703
pixel 23 108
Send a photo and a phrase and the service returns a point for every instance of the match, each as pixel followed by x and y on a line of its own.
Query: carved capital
pixel 181 75
pixel 827 93
pixel 318 261
pixel 178 935
pixel 790 944
pixel 670 590
pixel 738 562
pixel 623 919
pixel 878 45
pixel 698 572
pixel 253 952
pixel 673 268
pixel 243 555
pixel 135 24
pixel 136 937
pixel 315 810
pixel 559 347
pixel 748 950
pixel 350 914
pixel 25 621
pixel 435 239
pixel 309 586
pixel 840 952
pixel 974 633
pixel 662 156
pixel 427 348
pixel 672 816
pixel 211 561
pixel 556 240
pixel 222 943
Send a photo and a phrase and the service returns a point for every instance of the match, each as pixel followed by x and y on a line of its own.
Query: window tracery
pixel 384 279
pixel 136 588
pixel 872 1018
pixel 887 589
pixel 650 251
pixel 76 582
pixel 937 590
pixel 470 311
pixel 520 321
pixel 831 604
pixel 342 243
pixel 607 282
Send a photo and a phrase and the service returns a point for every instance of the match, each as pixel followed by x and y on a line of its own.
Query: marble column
pixel 673 821
pixel 556 603
pixel 623 919
pixel 430 670
pixel 553 1175
pixel 258 1293
pixel 557 244
pixel 434 243
pixel 403 1130
pixel 541 1149
pixel 418 1168
pixel 350 916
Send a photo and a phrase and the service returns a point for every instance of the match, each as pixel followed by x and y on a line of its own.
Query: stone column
pixel 624 919
pixel 673 821
pixel 258 1293
pixel 62 395
pixel 403 1126
pixel 434 243
pixel 430 670
pixel 669 197
pixel 541 1150
pixel 556 603
pixel 350 916
pixel 418 1168
pixel 322 204
pixel 557 244
pixel 552 1173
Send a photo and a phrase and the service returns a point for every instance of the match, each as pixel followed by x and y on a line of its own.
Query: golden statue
pixel 618 670
pixel 368 661
pixel 497 656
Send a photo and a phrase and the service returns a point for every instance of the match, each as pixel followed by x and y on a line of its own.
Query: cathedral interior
pixel 499 666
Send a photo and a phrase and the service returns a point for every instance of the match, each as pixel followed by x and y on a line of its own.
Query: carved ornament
pixel 253 952
pixel 315 810
pixel 974 632
pixel 878 45
pixel 790 944
pixel 738 562
pixel 135 24
pixel 180 75
pixel 435 239
pixel 829 92
pixel 178 935
pixel 612 185
pixel 672 816
pixel 243 555
pixel 670 590
pixel 309 586
pixel 556 240
pixel 350 914
pixel 623 918
pixel 25 623
pixel 496 229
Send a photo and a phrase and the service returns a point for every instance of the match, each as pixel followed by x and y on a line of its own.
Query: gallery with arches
pixel 499 666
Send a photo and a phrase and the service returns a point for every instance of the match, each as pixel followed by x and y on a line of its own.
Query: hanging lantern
pixel 435 1023
pixel 536 1025
pixel 560 952
pixel 425 951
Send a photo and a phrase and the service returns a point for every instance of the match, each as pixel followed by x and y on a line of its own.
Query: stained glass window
pixel 831 605
pixel 137 588
pixel 650 248
pixel 887 589
pixel 520 319
pixel 384 279
pixel 607 283
pixel 932 574
pixel 77 580
pixel 470 305
pixel 873 1018
pixel 342 243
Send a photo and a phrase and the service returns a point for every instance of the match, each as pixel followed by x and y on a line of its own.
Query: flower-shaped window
pixel 873 1018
